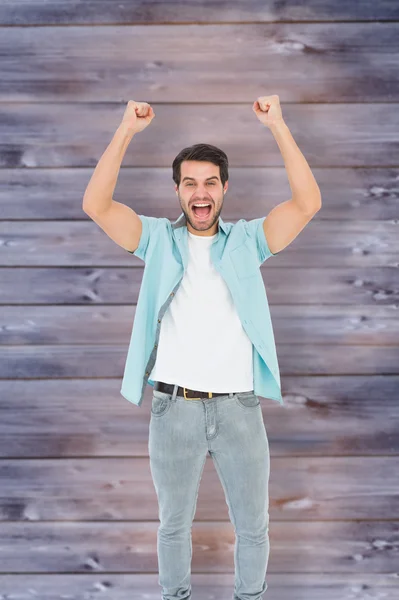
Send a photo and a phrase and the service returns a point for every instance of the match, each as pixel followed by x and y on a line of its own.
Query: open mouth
pixel 202 212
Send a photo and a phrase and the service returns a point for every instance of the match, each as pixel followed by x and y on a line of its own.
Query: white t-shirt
pixel 202 344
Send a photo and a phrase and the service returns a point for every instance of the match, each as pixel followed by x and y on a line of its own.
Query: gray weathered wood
pixel 130 547
pixel 49 134
pixel 93 489
pixel 368 193
pixel 351 415
pixel 144 586
pixel 78 509
pixel 291 289
pixel 292 323
pixel 343 62
pixel 104 360
pixel 320 244
pixel 96 12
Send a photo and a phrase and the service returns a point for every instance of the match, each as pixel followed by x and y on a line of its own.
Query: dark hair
pixel 204 152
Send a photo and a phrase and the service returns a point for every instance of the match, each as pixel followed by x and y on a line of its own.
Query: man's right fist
pixel 138 115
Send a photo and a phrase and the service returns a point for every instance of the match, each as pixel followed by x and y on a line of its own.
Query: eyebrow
pixel 213 177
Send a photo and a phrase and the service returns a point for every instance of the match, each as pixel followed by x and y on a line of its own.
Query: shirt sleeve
pixel 150 226
pixel 257 235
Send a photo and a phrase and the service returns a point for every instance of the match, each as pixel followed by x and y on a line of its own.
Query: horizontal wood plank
pixel 348 62
pixel 78 509
pixel 352 415
pixel 75 134
pixel 104 360
pixel 303 288
pixel 319 244
pixel 102 489
pixel 281 586
pixel 293 323
pixel 302 547
pixel 348 194
pixel 96 12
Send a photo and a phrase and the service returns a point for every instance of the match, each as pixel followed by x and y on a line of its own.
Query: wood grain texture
pixel 349 194
pixel 78 509
pixel 144 586
pixel 304 488
pixel 321 244
pixel 51 134
pixel 96 12
pixel 293 286
pixel 107 322
pixel 307 62
pixel 331 415
pixel 130 547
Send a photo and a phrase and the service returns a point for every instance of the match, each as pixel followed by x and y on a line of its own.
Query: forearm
pixel 304 188
pixel 99 192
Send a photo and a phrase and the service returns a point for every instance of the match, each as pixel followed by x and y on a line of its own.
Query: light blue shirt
pixel 236 253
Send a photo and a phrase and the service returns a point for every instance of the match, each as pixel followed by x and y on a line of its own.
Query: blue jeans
pixel 181 433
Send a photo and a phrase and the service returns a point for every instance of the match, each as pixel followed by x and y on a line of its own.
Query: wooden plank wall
pixel 78 509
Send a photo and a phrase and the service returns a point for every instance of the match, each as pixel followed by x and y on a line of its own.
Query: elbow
pixel 86 208
pixel 84 205
pixel 318 199
pixel 316 205
pixel 309 203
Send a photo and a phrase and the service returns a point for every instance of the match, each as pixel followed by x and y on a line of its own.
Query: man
pixel 203 338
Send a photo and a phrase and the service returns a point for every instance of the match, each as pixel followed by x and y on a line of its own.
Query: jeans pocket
pixel 161 403
pixel 247 400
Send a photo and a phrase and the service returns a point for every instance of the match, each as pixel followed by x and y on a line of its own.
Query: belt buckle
pixel 186 398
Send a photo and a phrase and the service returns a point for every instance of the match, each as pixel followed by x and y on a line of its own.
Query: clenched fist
pixel 268 110
pixel 138 115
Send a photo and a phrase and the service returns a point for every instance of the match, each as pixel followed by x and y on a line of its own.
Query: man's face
pixel 200 182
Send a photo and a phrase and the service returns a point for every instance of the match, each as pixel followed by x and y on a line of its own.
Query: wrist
pixel 125 132
pixel 278 125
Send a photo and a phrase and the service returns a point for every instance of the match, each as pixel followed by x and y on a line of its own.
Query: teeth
pixel 201 204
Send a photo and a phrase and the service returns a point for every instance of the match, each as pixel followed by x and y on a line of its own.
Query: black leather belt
pixel 188 394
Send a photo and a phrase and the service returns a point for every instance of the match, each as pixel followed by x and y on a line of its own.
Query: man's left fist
pixel 268 110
